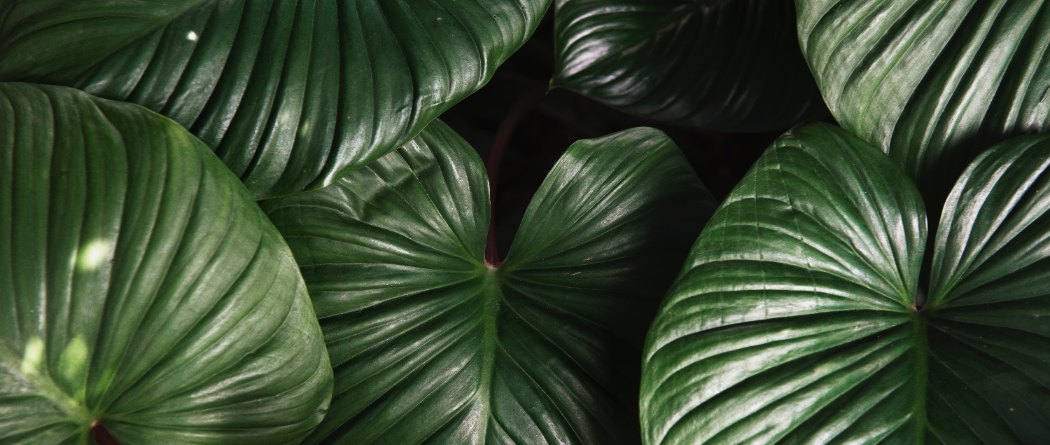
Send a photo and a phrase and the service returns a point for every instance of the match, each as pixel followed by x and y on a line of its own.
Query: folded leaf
pixel 722 65
pixel 800 317
pixel 931 83
pixel 289 94
pixel 432 344
pixel 141 288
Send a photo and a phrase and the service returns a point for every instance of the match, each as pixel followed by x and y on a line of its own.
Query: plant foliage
pixel 723 65
pixel 931 83
pixel 141 287
pixel 242 221
pixel 289 94
pixel 430 342
pixel 802 314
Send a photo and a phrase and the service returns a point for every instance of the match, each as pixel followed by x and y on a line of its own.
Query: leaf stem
pixel 101 435
pixel 495 159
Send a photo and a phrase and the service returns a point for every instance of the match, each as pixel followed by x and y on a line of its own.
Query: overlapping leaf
pixel 140 286
pixel 725 65
pixel 990 300
pixel 290 94
pixel 431 344
pixel 931 83
pixel 796 319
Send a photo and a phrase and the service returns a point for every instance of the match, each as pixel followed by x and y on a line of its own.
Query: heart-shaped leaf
pixel 430 343
pixel 723 65
pixel 800 316
pixel 931 83
pixel 290 94
pixel 141 288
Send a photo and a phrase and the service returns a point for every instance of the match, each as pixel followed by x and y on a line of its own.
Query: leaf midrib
pixel 491 295
pixel 919 328
pixel 48 389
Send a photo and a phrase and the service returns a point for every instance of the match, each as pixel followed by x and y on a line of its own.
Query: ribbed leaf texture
pixel 141 288
pixel 800 316
pixel 932 83
pixel 289 94
pixel 431 344
pixel 719 65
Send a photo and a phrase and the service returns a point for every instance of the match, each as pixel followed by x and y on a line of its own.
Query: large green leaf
pixel 717 64
pixel 990 301
pixel 931 82
pixel 141 288
pixel 800 315
pixel 430 343
pixel 290 94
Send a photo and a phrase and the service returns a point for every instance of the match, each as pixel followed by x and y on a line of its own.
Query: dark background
pixel 534 126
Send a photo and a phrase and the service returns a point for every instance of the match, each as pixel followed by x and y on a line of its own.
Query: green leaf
pixel 990 301
pixel 800 314
pixel 141 288
pixel 432 344
pixel 722 65
pixel 791 319
pixel 931 83
pixel 56 39
pixel 289 94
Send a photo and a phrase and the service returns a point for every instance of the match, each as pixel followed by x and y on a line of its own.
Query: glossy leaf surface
pixel 795 320
pixel 721 65
pixel 431 345
pixel 931 83
pixel 141 287
pixel 990 301
pixel 289 94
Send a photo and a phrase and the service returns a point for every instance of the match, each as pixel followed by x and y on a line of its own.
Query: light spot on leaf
pixel 33 356
pixel 72 365
pixel 93 254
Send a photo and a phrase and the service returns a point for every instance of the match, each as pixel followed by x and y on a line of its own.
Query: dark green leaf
pixel 990 301
pixel 141 287
pixel 931 82
pixel 795 296
pixel 724 65
pixel 56 39
pixel 796 319
pixel 431 344
pixel 290 94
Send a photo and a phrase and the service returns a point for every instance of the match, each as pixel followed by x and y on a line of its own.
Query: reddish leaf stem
pixel 495 158
pixel 101 435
